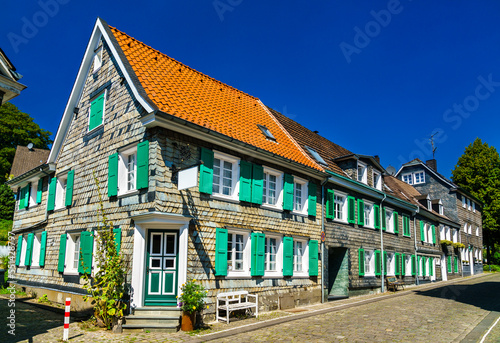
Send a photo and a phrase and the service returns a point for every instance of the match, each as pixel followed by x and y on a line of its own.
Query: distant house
pixel 10 87
pixel 454 202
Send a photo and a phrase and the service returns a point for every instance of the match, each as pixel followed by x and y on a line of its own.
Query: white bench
pixel 232 301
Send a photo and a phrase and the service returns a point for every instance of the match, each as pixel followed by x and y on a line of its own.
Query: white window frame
pixel 421 179
pixel 61 191
pixel 389 220
pixel 245 272
pixel 235 180
pixel 35 250
pixel 123 173
pixel 421 262
pixel 429 233
pixel 377 180
pixel 304 257
pixel 391 263
pixel 369 215
pixel 23 251
pixel 33 193
pixel 407 265
pixel 469 205
pixel 363 178
pixel 464 202
pixel 69 260
pixel 442 233
pixel 342 204
pixel 279 188
pixel 454 236
pixel 97 60
pixel 477 231
pixel 441 209
pixel 470 229
pixel 407 178
pixel 473 207
pixel 304 195
pixel 279 256
pixel 369 262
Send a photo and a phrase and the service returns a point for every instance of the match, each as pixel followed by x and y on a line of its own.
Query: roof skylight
pixel 316 156
pixel 266 132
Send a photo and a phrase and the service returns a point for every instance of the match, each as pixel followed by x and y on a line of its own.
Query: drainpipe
pixel 415 238
pixel 382 288
pixel 323 243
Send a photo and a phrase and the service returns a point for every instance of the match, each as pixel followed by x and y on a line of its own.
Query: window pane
pixel 170 244
pixel 131 163
pixel 298 197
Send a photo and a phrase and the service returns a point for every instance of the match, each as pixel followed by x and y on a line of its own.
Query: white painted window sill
pixel 272 207
pixel 129 193
pixel 225 198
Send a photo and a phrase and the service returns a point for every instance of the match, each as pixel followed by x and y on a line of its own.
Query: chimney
pixel 432 164
pixel 377 158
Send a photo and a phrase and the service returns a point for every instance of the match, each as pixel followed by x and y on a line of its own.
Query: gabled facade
pixel 136 117
pixel 10 87
pixel 457 204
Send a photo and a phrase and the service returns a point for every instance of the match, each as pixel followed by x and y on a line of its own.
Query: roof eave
pixel 43 169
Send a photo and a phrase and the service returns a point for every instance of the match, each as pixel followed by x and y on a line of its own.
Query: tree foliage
pixel 478 172
pixel 17 128
pixel 7 202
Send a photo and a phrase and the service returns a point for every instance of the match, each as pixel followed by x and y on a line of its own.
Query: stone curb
pixel 332 308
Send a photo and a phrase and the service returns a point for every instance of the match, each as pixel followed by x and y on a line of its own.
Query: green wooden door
pixel 161 268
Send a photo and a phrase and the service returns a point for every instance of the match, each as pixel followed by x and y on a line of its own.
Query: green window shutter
pixel 361 262
pixel 311 207
pixel 456 264
pixel 397 263
pixel 220 251
pixel 376 209
pixel 403 265
pixel 330 204
pixel 361 212
pixel 433 228
pixel 113 175
pixel 69 188
pixel 96 111
pixel 448 264
pixel 29 249
pixel 396 221
pixel 406 225
pixel 257 183
pixel 43 248
pixel 245 181
pixel 287 256
pixel 413 265
pixel 258 253
pixel 431 272
pixel 19 249
pixel 313 257
pixel 118 238
pixel 378 264
pixel 51 202
pixel 86 250
pixel 288 193
pixel 207 175
pixel 422 233
pixel 21 199
pixel 142 165
pixel 424 265
pixel 27 190
pixel 384 220
pixel 39 191
pixel 385 262
pixel 351 210
pixel 62 253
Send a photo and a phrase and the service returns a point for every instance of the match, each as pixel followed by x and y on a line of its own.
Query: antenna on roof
pixel 434 148
pixel 391 170
pixel 30 146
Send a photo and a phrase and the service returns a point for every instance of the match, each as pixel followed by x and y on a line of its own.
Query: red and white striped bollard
pixel 66 319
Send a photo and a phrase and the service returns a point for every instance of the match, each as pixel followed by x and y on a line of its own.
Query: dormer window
pixel 361 172
pixel 266 132
pixel 419 177
pixel 316 156
pixel 429 204
pixel 441 209
pixel 408 178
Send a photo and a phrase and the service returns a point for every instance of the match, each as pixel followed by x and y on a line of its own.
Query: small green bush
pixel 494 267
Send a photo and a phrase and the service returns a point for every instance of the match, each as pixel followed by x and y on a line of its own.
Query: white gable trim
pixel 98 31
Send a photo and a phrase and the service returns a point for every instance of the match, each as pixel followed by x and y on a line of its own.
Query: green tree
pixel 478 172
pixel 7 202
pixel 17 128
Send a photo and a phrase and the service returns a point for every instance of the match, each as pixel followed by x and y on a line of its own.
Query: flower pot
pixel 188 321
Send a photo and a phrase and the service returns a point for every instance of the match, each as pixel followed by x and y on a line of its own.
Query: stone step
pixel 144 320
pixel 157 311
pixel 150 327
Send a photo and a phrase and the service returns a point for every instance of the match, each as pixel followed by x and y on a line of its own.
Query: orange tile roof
pixel 181 91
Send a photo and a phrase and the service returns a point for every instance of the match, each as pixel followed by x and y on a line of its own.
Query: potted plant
pixel 447 246
pixel 191 301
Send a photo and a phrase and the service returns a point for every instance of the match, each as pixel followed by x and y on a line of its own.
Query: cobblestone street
pixel 446 313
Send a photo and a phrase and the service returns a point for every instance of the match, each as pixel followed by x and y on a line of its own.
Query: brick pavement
pixel 445 313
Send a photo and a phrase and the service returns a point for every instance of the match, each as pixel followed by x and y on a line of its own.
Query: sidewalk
pixel 222 330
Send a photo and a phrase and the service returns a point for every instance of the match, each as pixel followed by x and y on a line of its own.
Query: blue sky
pixel 377 77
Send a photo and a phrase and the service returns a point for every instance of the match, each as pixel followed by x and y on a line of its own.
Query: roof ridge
pixel 182 64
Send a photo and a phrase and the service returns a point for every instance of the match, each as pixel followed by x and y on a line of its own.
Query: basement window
pixel 316 156
pixel 266 132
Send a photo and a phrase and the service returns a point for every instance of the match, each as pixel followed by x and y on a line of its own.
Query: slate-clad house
pixel 10 87
pixel 134 118
pixel 457 204
pixel 267 188
pixel 361 200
